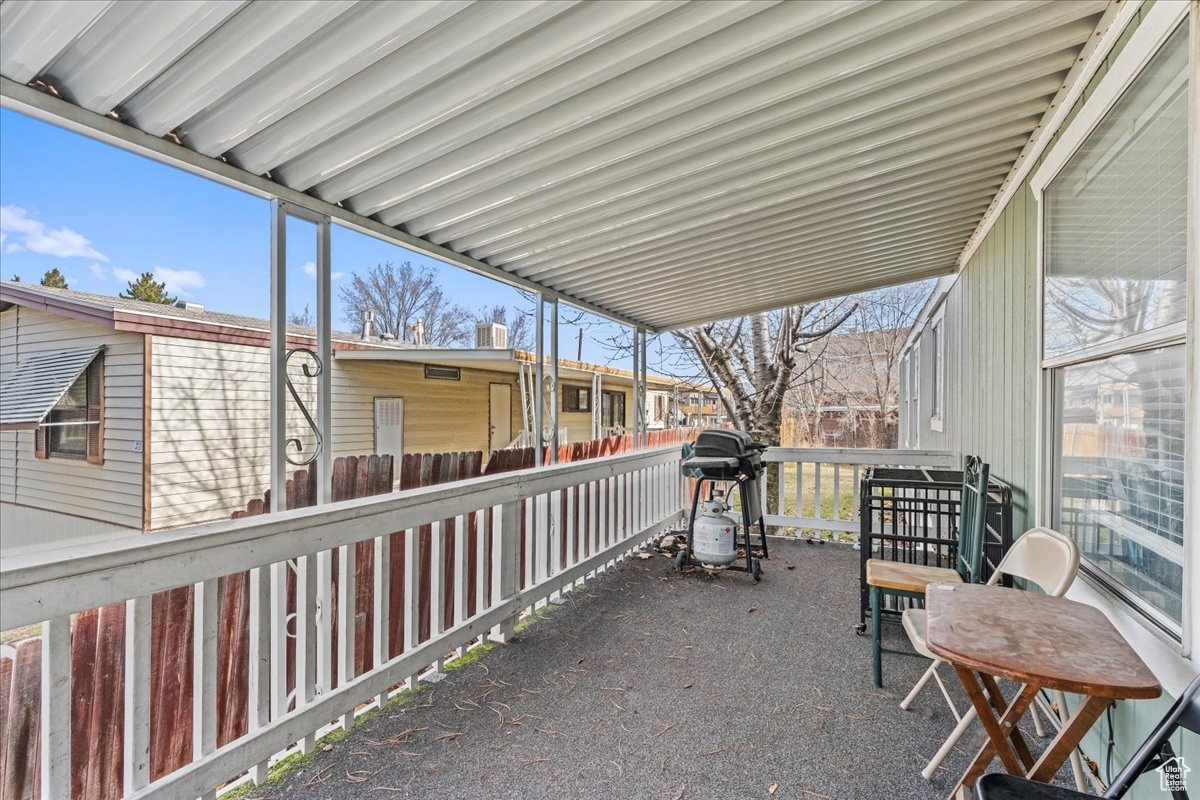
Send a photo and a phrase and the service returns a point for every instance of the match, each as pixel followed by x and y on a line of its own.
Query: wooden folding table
pixel 1041 642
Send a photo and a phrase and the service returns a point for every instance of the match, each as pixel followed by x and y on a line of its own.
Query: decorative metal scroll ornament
pixel 548 394
pixel 310 371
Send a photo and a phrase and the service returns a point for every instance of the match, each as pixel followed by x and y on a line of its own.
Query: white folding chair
pixel 1043 557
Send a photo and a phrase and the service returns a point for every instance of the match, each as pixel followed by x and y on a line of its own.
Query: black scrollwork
pixel 310 371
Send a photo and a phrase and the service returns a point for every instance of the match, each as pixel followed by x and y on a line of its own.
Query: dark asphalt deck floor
pixel 652 684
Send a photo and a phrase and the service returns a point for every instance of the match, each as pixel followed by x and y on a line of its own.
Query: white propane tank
pixel 713 536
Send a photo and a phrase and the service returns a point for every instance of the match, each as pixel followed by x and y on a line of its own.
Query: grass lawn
pixel 840 507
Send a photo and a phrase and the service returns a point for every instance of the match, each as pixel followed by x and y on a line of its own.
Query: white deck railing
pixel 629 499
pixel 818 487
pixel 549 529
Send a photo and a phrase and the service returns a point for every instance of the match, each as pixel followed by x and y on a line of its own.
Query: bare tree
pixel 303 318
pixel 752 361
pixel 857 369
pixel 400 295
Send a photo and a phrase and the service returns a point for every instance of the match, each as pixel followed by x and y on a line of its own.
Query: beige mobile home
pixel 119 414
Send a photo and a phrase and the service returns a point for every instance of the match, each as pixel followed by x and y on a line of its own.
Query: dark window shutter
pixel 95 411
pixel 40 448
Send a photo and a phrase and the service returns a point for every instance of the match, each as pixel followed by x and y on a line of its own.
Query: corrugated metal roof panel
pixel 38 382
pixel 632 156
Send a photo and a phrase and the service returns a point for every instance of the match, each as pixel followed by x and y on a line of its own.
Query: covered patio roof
pixel 659 162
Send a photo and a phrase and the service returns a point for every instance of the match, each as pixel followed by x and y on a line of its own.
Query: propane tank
pixel 714 535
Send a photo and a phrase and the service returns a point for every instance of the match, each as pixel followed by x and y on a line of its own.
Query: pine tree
pixel 148 290
pixel 55 279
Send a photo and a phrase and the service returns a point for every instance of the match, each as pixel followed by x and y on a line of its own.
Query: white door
pixel 389 428
pixel 499 415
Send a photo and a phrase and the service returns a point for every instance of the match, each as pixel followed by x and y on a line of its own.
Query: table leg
pixel 1002 730
pixel 876 656
pixel 1065 742
pixel 997 701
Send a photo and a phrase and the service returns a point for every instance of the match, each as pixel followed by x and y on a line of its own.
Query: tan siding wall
pixel 110 492
pixel 210 451
pixel 439 415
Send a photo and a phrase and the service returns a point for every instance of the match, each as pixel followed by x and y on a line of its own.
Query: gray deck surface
pixel 652 684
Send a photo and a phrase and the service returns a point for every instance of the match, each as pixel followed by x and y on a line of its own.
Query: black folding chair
pixel 1155 752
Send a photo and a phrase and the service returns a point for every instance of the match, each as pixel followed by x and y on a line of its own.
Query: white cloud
pixel 99 272
pixel 183 281
pixel 122 274
pixel 33 235
pixel 310 269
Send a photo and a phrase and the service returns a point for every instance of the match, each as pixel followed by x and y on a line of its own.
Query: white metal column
pixel 554 404
pixel 642 398
pixel 313 617
pixel 539 373
pixel 637 386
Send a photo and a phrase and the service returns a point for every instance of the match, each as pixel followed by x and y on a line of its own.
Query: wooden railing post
pixel 508 560
pixel 56 708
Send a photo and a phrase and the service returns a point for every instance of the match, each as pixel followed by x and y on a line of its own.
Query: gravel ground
pixel 653 684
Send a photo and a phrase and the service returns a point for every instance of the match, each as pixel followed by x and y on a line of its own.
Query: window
pixel 576 398
pixel 74 427
pixel 1114 333
pixel 938 390
pixel 612 409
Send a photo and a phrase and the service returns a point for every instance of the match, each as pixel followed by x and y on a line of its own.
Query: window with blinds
pixel 1114 339
pixel 1115 233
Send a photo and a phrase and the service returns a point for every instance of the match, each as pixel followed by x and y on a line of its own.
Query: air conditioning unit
pixel 491 336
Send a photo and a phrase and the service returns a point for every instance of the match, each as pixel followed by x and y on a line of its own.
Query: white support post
pixel 554 403
pixel 277 634
pixel 136 740
pixel 381 594
pixel 308 583
pixel 278 355
pixel 259 673
pixel 637 386
pixel 346 621
pixel 539 386
pixel 55 720
pixel 325 354
pixel 412 594
pixel 437 578
pixel 277 428
pixel 204 670
pixel 507 563
pixel 645 441
pixel 461 563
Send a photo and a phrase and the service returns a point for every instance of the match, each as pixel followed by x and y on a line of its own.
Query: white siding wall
pixel 110 492
pixel 210 401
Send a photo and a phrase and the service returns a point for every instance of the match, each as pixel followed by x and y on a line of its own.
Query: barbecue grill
pixel 729 456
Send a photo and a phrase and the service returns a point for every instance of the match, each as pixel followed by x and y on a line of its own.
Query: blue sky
pixel 102 215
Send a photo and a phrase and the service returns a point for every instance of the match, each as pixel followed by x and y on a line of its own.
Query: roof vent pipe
pixel 186 306
pixel 368 321
pixel 418 332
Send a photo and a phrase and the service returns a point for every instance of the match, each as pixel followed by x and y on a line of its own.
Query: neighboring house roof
pixel 120 313
pixel 37 383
